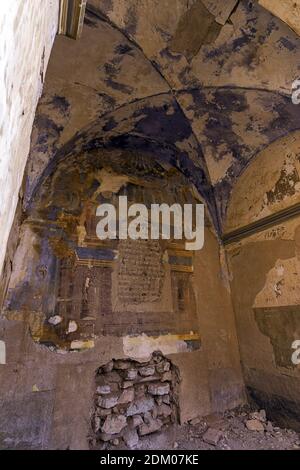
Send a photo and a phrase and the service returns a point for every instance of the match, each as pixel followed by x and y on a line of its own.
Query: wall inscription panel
pixel 140 271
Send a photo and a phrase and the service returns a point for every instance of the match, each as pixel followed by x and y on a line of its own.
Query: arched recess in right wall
pixel 262 235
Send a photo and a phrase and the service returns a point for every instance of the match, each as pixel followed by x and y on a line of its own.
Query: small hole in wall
pixel 132 400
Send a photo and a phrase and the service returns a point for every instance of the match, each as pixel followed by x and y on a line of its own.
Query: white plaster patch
pixel 281 287
pixel 72 327
pixel 2 353
pixel 280 270
pixel 55 320
pixel 141 347
pixel 77 344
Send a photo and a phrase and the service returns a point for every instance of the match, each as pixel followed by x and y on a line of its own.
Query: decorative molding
pixel 261 225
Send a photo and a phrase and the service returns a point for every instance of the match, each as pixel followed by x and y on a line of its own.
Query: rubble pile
pixel 133 399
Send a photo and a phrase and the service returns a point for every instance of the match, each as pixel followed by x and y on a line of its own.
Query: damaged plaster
pixel 139 347
pixel 219 109
pixel 144 107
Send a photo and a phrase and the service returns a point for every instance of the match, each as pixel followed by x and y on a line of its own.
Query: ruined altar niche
pixel 106 287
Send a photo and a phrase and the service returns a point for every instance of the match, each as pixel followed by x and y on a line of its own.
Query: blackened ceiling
pixel 205 85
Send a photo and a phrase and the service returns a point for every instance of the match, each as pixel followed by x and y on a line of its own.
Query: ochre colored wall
pixel 265 270
pixel 287 10
pixel 265 290
pixel 47 396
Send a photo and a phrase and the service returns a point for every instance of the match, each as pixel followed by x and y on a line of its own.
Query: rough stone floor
pixel 240 429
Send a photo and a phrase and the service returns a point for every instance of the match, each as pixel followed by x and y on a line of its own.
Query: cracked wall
pixel 220 105
pixel 263 188
pixel 287 10
pixel 132 400
pixel 265 280
pixel 75 309
pixel 206 106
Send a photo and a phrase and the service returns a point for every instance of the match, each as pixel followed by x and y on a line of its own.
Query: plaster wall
pixel 125 79
pixel 27 32
pixel 47 397
pixel 265 271
pixel 288 11
pixel 265 280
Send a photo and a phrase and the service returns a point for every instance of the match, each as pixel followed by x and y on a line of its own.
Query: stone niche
pixel 73 288
pixel 132 400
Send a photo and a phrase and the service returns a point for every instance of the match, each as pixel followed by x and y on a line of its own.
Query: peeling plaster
pixel 142 347
pixel 2 353
pixel 228 99
pixel 287 10
pixel 263 189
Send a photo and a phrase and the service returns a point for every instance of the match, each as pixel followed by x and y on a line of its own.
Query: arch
pixel 269 184
pixel 155 125
pixel 76 285
pixel 123 75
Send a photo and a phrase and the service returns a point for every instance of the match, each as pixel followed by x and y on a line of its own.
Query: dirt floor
pixel 241 429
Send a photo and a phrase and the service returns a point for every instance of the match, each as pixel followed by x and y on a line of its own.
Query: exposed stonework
pixel 173 101
pixel 133 400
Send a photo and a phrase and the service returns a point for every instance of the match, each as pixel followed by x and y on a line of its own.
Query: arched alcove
pixel 78 287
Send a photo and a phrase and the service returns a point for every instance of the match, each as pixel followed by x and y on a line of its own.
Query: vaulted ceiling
pixel 203 84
